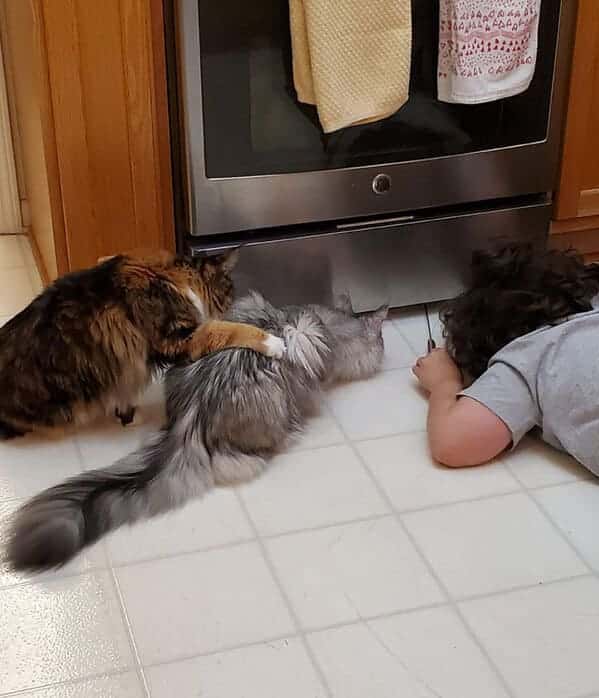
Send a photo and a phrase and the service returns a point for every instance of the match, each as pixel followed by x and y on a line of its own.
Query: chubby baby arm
pixel 461 431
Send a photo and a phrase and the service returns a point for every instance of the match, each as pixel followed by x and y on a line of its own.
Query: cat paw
pixel 274 346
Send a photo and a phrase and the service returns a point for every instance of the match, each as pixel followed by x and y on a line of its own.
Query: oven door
pixel 257 158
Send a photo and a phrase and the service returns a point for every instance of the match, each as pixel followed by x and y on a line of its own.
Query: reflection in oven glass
pixel 254 124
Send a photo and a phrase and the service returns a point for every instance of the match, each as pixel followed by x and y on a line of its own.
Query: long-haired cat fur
pixel 92 340
pixel 227 415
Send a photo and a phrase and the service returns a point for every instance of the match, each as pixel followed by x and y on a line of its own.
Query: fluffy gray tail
pixel 55 525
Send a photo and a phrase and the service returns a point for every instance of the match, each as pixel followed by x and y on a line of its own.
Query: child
pixel 525 338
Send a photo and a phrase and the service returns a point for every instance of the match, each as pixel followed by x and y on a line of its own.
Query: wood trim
pixel 573 225
pixel 39 260
pixel 144 51
pixel 162 122
pixel 49 139
pixel 10 209
pixel 588 203
pixel 580 102
pixel 584 241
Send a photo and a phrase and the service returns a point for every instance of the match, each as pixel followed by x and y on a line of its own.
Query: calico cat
pixel 227 415
pixel 93 338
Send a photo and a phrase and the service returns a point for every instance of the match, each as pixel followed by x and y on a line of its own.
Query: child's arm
pixel 462 431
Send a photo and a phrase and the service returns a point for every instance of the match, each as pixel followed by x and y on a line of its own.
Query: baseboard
pixel 582 234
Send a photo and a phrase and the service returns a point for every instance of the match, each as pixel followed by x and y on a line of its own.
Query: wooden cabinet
pixel 576 213
pixel 102 105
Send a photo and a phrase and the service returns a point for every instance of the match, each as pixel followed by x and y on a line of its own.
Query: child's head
pixel 513 292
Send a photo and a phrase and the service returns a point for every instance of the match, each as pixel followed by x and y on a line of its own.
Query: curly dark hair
pixel 514 291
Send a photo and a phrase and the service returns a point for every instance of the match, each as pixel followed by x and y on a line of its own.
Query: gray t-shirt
pixel 549 379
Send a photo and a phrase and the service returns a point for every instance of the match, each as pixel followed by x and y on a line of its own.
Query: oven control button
pixel 381 184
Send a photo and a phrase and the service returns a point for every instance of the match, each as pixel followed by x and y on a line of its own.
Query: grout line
pixel 46 577
pixel 221 650
pixel 418 351
pixel 469 500
pixel 67 682
pixel 561 534
pixel 525 587
pixel 181 553
pixel 286 600
pixel 429 567
pixel 139 670
pixel 552 485
pixel 384 436
pixel 324 527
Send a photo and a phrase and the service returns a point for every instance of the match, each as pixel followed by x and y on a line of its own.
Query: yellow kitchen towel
pixel 351 58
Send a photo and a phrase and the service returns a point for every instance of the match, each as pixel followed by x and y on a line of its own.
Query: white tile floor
pixel 355 567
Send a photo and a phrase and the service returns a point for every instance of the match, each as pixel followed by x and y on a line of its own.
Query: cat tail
pixel 59 522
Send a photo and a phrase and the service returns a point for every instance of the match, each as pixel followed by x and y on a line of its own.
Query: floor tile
pixel 492 545
pixel 311 488
pixel 411 322
pixel 11 255
pixel 35 279
pixel 575 509
pixel 21 292
pixel 101 444
pixel 119 686
pixel 544 640
pixel 272 670
pixel 32 463
pixel 61 630
pixel 537 464
pixel 398 353
pixel 215 520
pixel 202 602
pixel 425 654
pixel 347 572
pixel 389 403
pixel 26 251
pixel 412 480
pixel 31 265
pixel 91 558
pixel 320 431
pixel 150 414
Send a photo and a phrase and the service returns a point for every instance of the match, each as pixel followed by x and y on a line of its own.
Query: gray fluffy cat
pixel 227 414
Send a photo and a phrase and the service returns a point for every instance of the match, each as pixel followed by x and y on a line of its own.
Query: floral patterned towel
pixel 487 49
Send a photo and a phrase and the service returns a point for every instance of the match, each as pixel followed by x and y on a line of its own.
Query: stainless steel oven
pixel 386 211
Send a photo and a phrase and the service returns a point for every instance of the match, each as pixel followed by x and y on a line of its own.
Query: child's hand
pixel 437 368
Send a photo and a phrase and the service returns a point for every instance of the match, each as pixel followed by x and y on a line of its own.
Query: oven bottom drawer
pixel 396 263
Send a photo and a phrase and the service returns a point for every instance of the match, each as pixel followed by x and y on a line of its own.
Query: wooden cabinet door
pixel 106 78
pixel 578 193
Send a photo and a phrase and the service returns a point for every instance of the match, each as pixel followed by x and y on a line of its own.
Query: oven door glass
pixel 254 125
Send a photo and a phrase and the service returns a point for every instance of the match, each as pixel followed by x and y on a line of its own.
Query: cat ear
pixel 374 320
pixel 227 260
pixel 210 266
pixel 343 303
